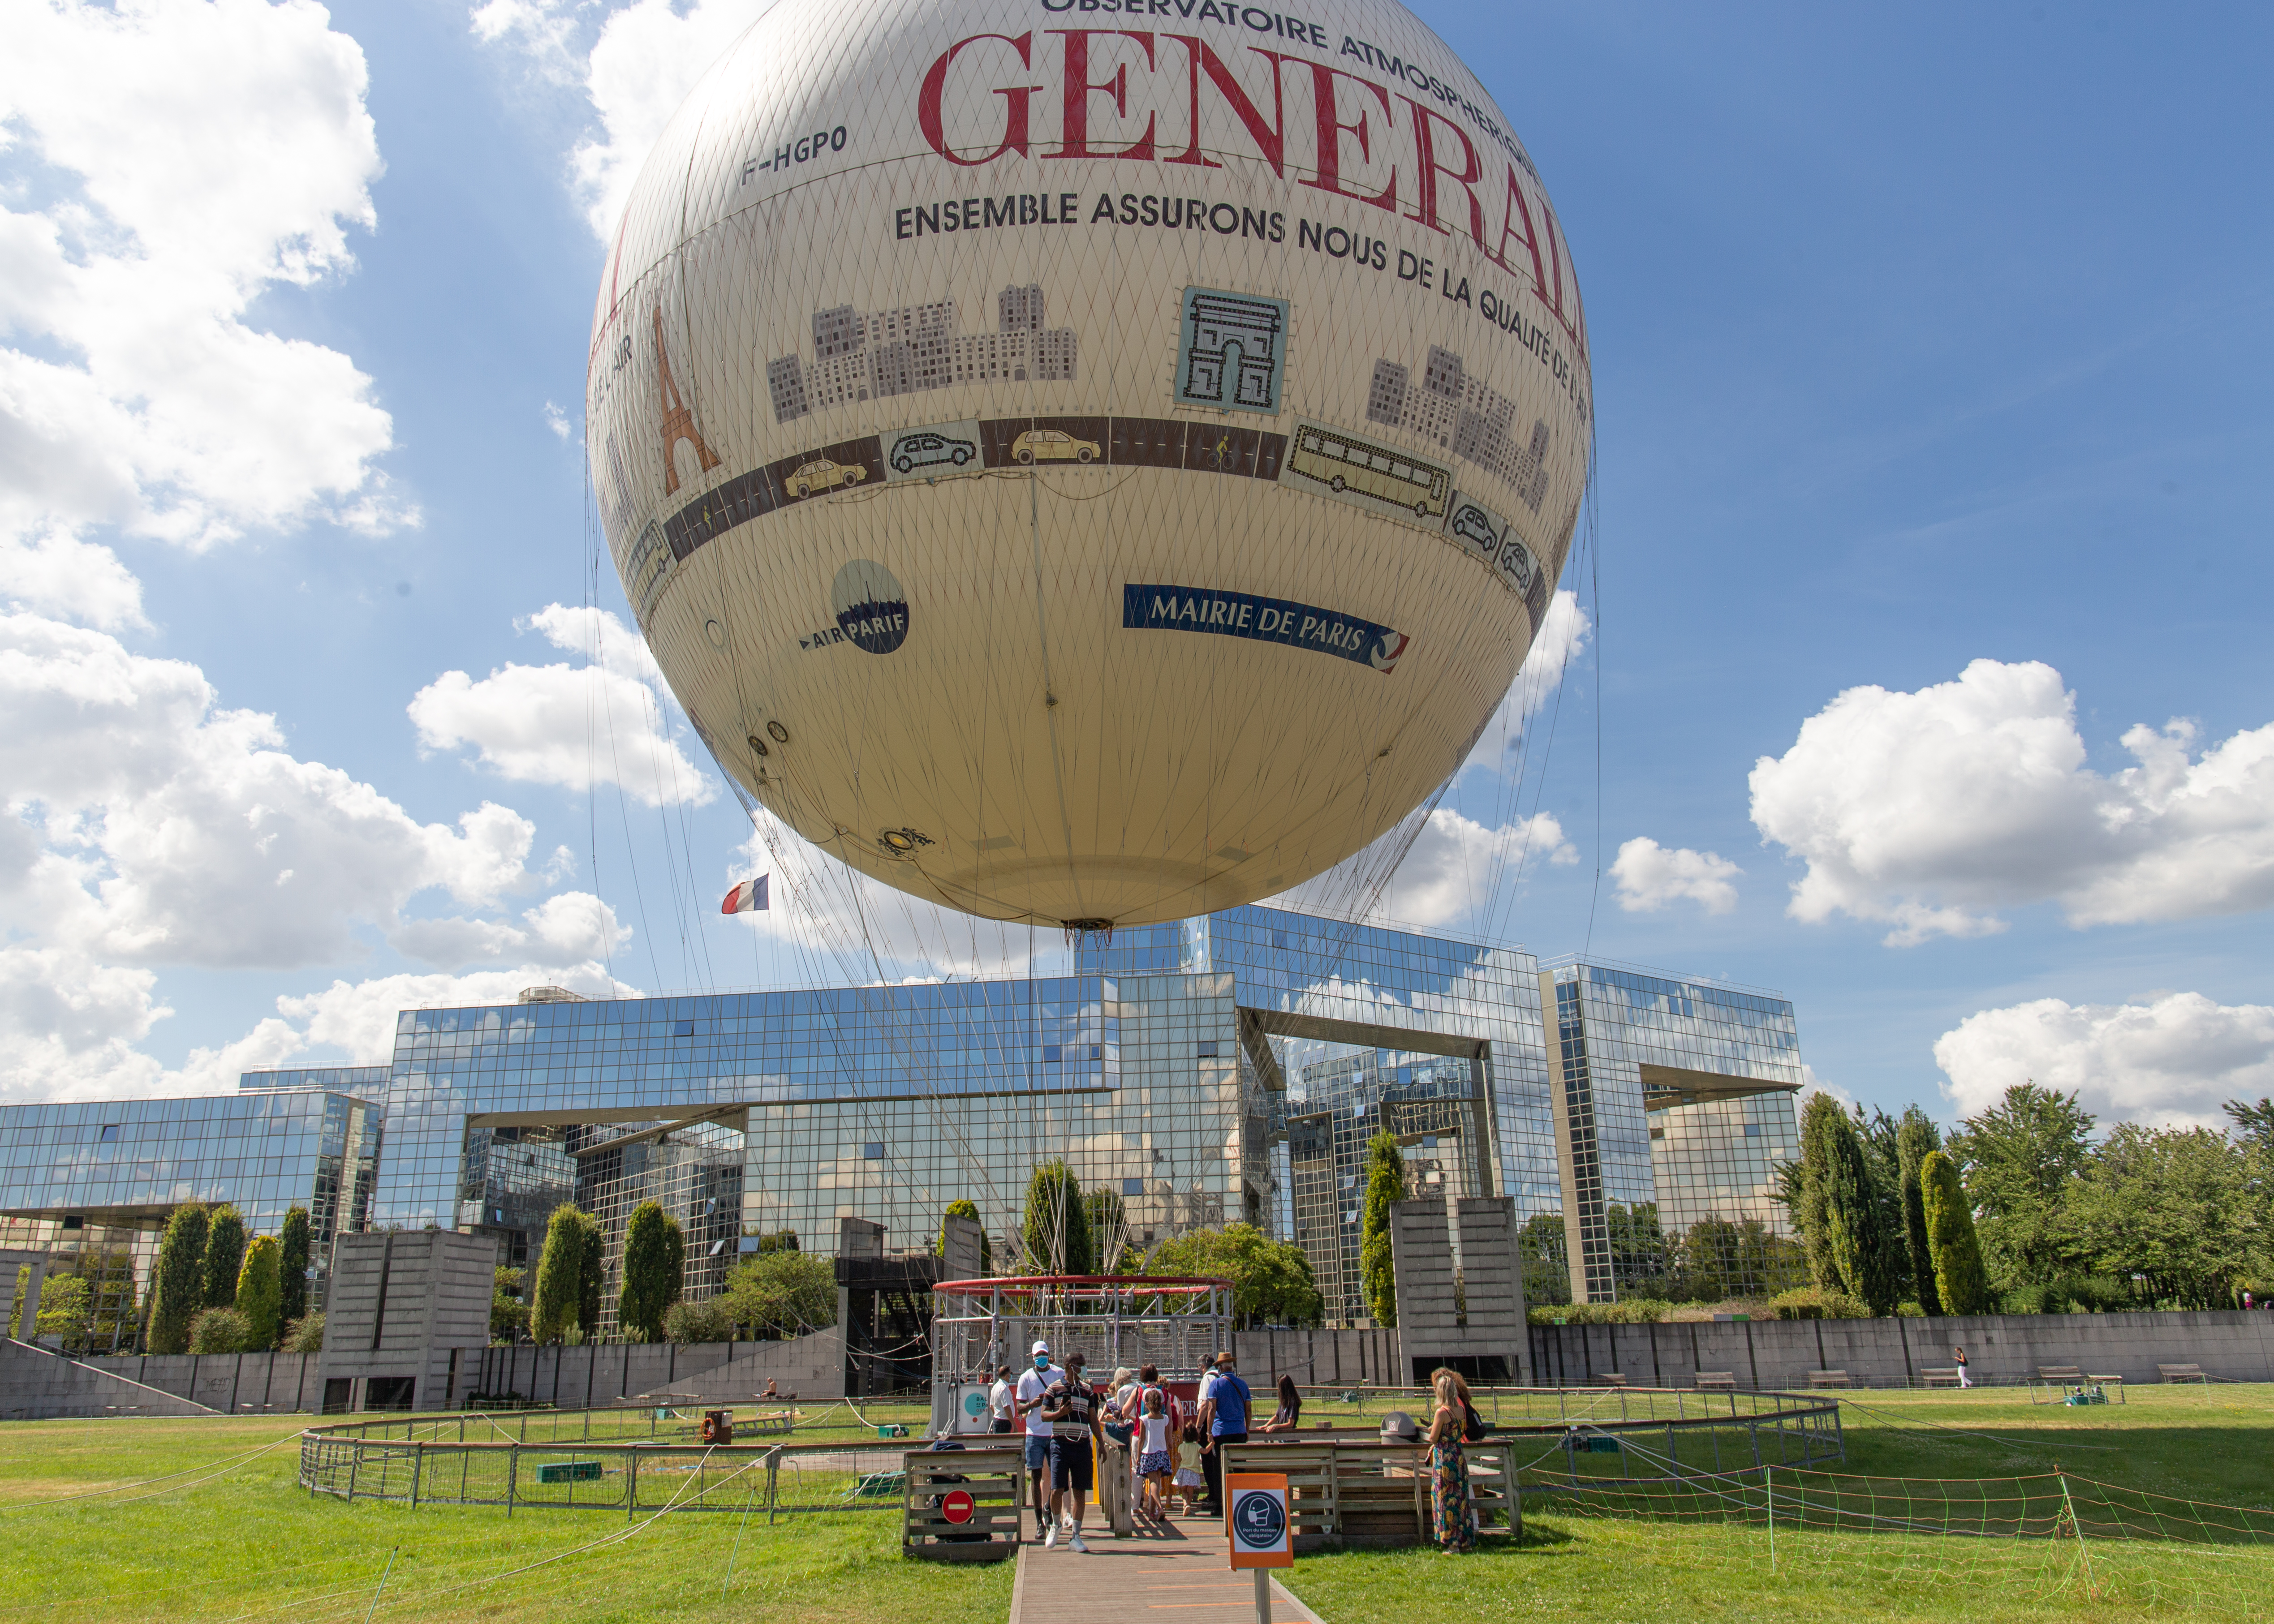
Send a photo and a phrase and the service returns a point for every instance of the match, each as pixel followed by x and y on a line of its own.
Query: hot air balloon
pixel 1089 464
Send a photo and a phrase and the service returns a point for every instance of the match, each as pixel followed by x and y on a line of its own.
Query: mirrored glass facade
pixel 1220 1069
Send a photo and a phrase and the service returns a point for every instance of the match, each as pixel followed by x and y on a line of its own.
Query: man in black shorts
pixel 1071 1408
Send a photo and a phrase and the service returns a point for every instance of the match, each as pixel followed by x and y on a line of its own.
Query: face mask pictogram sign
pixel 1256 1525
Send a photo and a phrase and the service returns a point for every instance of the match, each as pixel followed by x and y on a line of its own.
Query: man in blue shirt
pixel 1223 1420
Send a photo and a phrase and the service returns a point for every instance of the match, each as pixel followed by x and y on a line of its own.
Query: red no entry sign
pixel 956 1505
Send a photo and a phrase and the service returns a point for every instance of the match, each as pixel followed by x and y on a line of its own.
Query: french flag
pixel 747 898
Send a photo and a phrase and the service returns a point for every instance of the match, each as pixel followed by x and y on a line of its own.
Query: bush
pixel 219 1330
pixel 1814 1302
pixel 1633 1311
pixel 783 1294
pixel 305 1334
pixel 710 1320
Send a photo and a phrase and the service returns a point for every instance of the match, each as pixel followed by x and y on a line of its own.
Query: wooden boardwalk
pixel 1178 1576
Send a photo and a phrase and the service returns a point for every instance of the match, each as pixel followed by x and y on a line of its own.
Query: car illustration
pixel 924 450
pixel 1470 524
pixel 821 474
pixel 1053 445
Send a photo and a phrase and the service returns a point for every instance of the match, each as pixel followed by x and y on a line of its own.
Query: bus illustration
pixel 1351 466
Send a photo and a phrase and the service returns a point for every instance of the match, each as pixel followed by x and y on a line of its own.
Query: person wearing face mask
pixel 1034 1386
pixel 1073 1412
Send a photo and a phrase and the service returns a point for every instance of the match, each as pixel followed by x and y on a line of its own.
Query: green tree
pixel 178 1282
pixel 508 1312
pixel 1959 1280
pixel 558 1308
pixel 305 1334
pixel 219 1330
pixel 1109 1223
pixel 66 1310
pixel 1803 1185
pixel 655 1250
pixel 1547 1272
pixel 590 1276
pixel 2173 1205
pixel 966 1209
pixel 778 1240
pixel 2022 1158
pixel 224 1257
pixel 1880 1135
pixel 1056 1229
pixel 1385 1182
pixel 260 1292
pixel 1271 1281
pixel 2253 1123
pixel 1861 1248
pixel 292 1266
pixel 1917 1138
pixel 783 1294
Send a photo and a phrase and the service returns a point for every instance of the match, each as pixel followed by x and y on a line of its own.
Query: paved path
pixel 1175 1576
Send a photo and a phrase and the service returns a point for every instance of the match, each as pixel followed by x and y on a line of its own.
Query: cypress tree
pixel 654 1252
pixel 1056 1229
pixel 1861 1251
pixel 1960 1280
pixel 260 1292
pixel 1820 1120
pixel 1385 1182
pixel 1914 1141
pixel 224 1257
pixel 591 1263
pixel 555 1304
pixel 292 1266
pixel 177 1287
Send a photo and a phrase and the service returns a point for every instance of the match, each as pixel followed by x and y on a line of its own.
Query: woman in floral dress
pixel 1448 1469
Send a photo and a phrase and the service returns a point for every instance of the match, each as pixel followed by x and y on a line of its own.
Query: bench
pixel 1717 1382
pixel 1829 1378
pixel 1946 1378
pixel 2182 1372
pixel 1610 1378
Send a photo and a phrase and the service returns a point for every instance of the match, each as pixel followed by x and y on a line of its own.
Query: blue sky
pixel 1922 338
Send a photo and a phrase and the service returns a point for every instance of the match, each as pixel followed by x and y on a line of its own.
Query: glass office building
pixel 116 1168
pixel 1219 1069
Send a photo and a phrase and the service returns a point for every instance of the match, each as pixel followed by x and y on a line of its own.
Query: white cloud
pixel 188 157
pixel 1563 634
pixel 558 422
pixel 1453 868
pixel 151 827
pixel 574 727
pixel 2169 1062
pixel 569 928
pixel 634 73
pixel 1933 811
pixel 1650 875
pixel 358 1016
pixel 55 573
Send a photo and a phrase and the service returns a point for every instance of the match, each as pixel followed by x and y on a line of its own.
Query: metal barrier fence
pixel 626 1460
pixel 647 1459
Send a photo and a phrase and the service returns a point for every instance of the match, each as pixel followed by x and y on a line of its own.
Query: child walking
pixel 1152 1457
pixel 1189 1482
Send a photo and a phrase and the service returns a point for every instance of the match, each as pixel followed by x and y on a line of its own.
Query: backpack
pixel 1473 1425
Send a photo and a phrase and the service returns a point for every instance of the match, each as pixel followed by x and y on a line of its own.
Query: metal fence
pixel 626 1460
pixel 648 1459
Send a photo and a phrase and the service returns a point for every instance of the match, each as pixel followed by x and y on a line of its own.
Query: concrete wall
pixel 407 1303
pixel 1317 1358
pixel 36 1384
pixel 2000 1347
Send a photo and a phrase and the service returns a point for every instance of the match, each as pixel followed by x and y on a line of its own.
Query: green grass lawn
pixel 243 1543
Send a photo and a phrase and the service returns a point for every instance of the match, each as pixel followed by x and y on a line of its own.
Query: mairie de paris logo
pixel 1258 1521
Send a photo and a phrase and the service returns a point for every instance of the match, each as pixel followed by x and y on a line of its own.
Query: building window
pixel 1097 1051
pixel 1752 1130
pixel 683 1028
pixel 108 1134
pixel 1133 1186
pixel 1051 1054
pixel 1208 1051
pixel 873 1151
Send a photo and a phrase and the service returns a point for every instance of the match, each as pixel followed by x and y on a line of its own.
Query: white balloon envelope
pixel 1088 463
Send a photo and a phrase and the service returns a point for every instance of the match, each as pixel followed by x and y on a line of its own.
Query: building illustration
pixel 1463 415
pixel 1233 351
pixel 859 357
